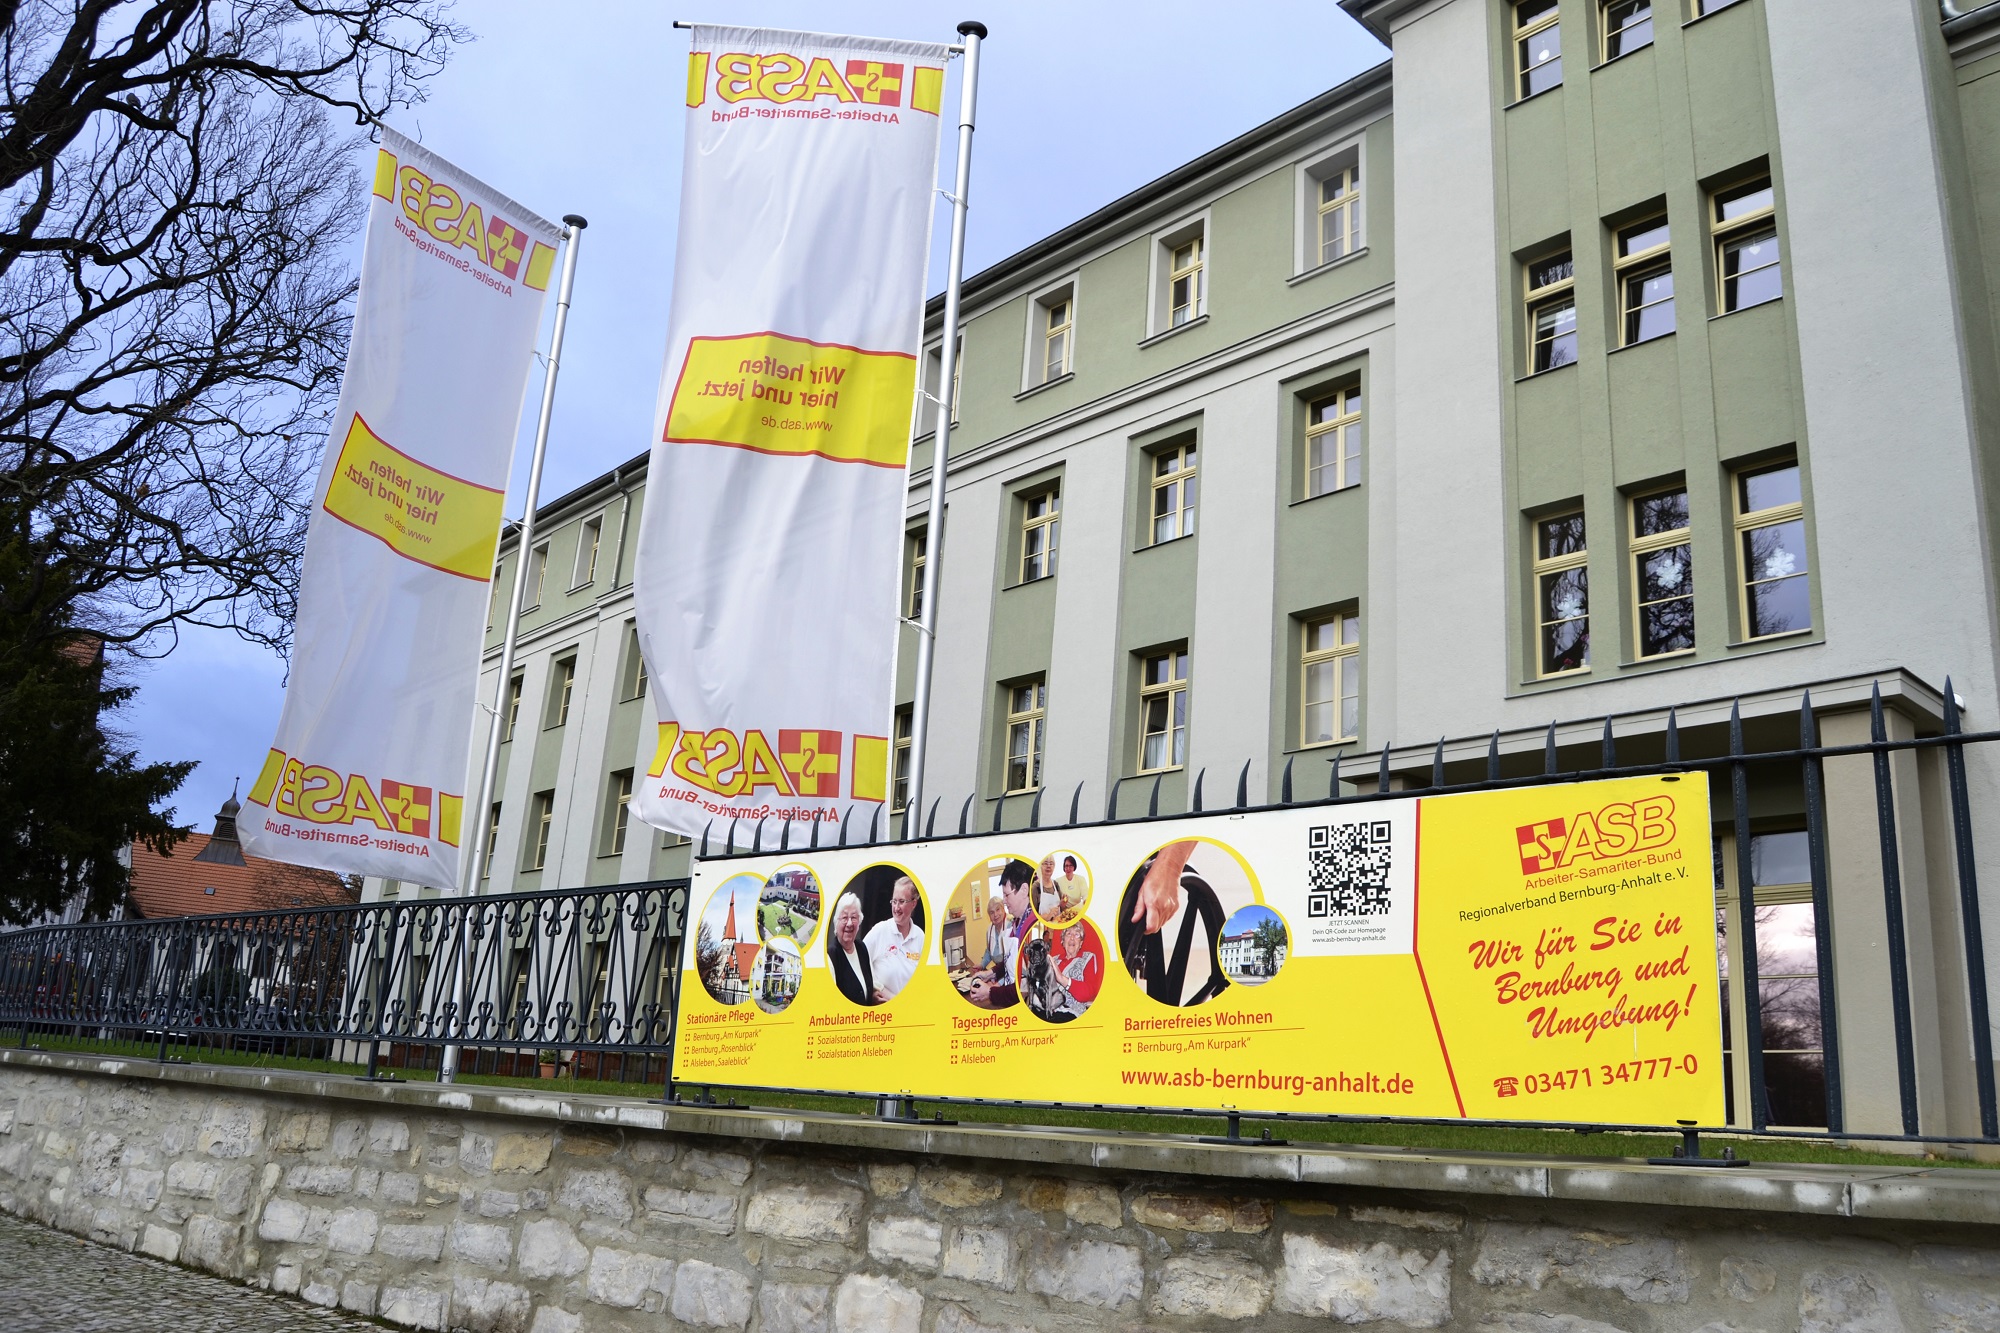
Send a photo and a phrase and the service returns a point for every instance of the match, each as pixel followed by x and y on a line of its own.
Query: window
pixel 1645 281
pixel 1173 493
pixel 1788 992
pixel 492 837
pixel 1330 680
pixel 1027 713
pixel 1184 282
pixel 1663 573
pixel 1551 312
pixel 618 812
pixel 933 376
pixel 899 792
pixel 1628 25
pixel 541 818
pixel 1771 523
pixel 1333 442
pixel 538 571
pixel 1058 318
pixel 1340 213
pixel 915 544
pixel 1702 8
pixel 632 680
pixel 1163 685
pixel 1538 46
pixel 513 708
pixel 493 599
pixel 1746 246
pixel 587 540
pixel 561 685
pixel 1562 595
pixel 1041 516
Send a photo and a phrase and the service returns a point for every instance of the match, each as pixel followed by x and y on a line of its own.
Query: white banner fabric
pixel 768 562
pixel 367 774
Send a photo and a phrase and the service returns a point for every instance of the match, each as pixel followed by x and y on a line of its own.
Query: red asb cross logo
pixel 876 83
pixel 1542 844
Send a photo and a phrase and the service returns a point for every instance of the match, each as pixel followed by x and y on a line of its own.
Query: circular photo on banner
pixel 1172 917
pixel 875 939
pixel 1254 944
pixel 987 916
pixel 1061 970
pixel 788 906
pixel 725 943
pixel 1062 888
pixel 775 975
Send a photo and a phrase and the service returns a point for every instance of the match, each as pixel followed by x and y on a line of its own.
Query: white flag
pixel 767 571
pixel 367 772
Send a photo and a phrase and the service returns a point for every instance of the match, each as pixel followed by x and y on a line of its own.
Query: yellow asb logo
pixel 782 78
pixel 417 511
pixel 806 762
pixel 457 223
pixel 321 795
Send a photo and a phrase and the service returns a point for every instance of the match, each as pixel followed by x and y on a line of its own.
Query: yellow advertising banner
pixel 1545 953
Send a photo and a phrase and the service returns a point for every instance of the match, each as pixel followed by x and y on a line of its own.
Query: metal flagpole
pixel 489 773
pixel 941 445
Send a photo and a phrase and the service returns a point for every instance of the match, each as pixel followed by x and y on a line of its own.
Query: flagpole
pixel 973 33
pixel 524 551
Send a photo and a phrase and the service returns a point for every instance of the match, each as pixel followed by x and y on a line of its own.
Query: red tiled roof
pixel 178 885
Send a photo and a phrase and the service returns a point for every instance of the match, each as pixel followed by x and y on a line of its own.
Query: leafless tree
pixel 178 199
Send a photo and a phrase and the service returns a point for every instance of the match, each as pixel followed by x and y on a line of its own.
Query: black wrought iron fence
pixel 586 979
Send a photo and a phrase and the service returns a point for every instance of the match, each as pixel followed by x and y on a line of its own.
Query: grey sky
pixel 576 108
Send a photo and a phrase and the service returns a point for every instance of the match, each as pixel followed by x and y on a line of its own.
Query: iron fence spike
pixel 1333 782
pixel 1549 764
pixel 1437 766
pixel 1153 801
pixel 1243 786
pixel 1035 810
pixel 1673 736
pixel 964 814
pixel 1735 727
pixel 1877 731
pixel 1493 757
pixel 757 836
pixel 1610 755
pixel 999 808
pixel 1285 783
pixel 1950 708
pixel 1806 721
pixel 844 816
pixel 704 839
pixel 1194 806
pixel 1074 800
pixel 785 836
pixel 815 831
pixel 731 849
pixel 930 824
pixel 1382 778
pixel 874 822
pixel 1111 804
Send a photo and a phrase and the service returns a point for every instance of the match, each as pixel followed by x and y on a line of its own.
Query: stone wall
pixel 497 1212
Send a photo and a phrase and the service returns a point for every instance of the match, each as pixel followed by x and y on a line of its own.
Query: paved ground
pixel 52 1283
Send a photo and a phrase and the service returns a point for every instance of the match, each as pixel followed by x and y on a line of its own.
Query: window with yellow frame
pixel 1041 519
pixel 1749 267
pixel 1776 591
pixel 1562 595
pixel 1643 260
pixel 1340 213
pixel 1173 493
pixel 1537 47
pixel 1027 714
pixel 1163 711
pixel 1333 442
pixel 1184 282
pixel 1627 26
pixel 915 544
pixel 899 790
pixel 1662 575
pixel 1058 320
pixel 1551 312
pixel 1330 679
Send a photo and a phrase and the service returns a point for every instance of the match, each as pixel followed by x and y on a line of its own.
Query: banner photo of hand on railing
pixel 368 771
pixel 767 569
pixel 1544 954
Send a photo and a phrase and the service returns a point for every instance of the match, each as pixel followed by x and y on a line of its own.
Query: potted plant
pixel 550 1061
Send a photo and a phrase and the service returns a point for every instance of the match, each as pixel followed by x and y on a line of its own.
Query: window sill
pixel 1745 309
pixel 1641 663
pixel 1552 370
pixel 1312 273
pixel 1628 347
pixel 1338 490
pixel 1764 640
pixel 1165 334
pixel 579 587
pixel 1523 101
pixel 1774 643
pixel 1154 546
pixel 1701 18
pixel 1321 747
pixel 1027 583
pixel 1157 772
pixel 1622 55
pixel 1030 392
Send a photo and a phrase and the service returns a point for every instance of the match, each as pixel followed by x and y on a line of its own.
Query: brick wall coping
pixel 1919 1192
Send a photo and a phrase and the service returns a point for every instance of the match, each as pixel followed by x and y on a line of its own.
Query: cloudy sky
pixel 576 108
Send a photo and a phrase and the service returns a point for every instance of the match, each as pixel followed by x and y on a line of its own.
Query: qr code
pixel 1349 874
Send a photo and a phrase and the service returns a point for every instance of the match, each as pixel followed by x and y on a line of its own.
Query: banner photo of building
pixel 1541 954
pixel 368 770
pixel 767 569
